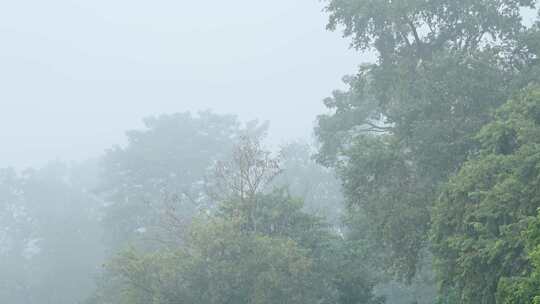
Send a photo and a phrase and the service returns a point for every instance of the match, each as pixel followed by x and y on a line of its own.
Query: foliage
pixel 222 262
pixel 166 162
pixel 400 28
pixel 407 122
pixel 49 236
pixel 481 215
pixel 257 247
pixel 524 289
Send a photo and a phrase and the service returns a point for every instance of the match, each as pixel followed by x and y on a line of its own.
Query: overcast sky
pixel 76 74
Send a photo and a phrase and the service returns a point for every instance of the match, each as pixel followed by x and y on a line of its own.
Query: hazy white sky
pixel 75 74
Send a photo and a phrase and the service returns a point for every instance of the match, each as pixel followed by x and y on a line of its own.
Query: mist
pixel 76 74
pixel 249 152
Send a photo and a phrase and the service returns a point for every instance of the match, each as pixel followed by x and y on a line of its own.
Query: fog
pixel 278 152
pixel 77 74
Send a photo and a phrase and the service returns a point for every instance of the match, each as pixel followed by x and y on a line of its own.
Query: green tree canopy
pixel 257 246
pixel 481 215
pixel 407 122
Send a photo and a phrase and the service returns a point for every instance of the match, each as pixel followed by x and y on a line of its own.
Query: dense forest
pixel 422 186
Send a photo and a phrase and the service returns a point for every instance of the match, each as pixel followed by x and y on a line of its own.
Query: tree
pixel 49 236
pixel 163 169
pixel 407 122
pixel 483 211
pixel 249 171
pixel 257 246
pixel 221 264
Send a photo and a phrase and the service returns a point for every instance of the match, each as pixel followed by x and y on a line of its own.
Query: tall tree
pixel 407 122
pixel 162 166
